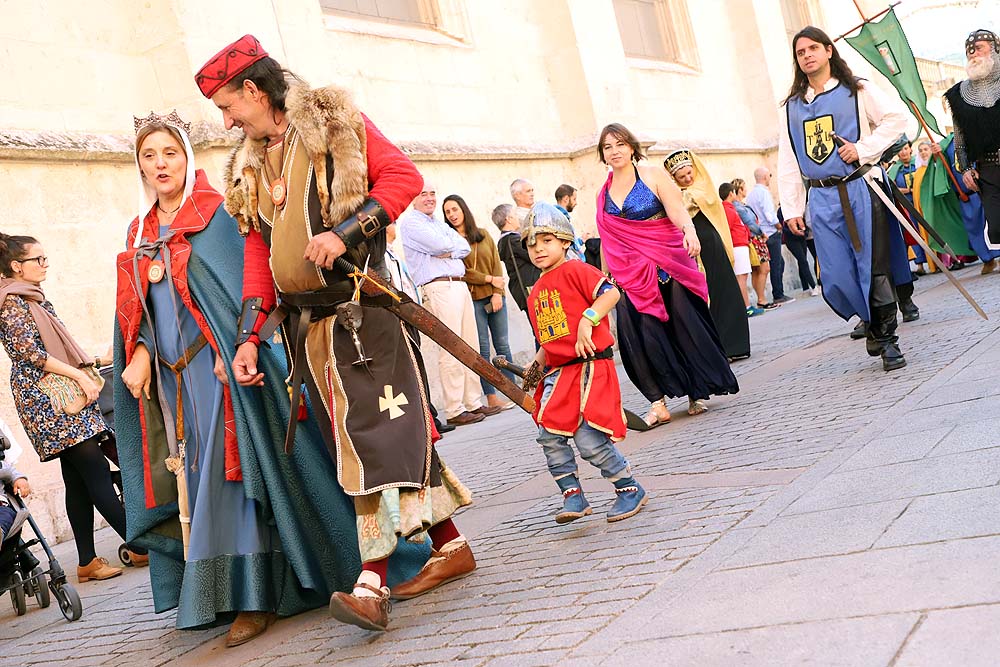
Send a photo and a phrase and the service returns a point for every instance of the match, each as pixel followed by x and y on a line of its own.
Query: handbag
pixel 65 394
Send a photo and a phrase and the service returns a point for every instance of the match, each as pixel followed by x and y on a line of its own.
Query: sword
pixel 632 420
pixel 931 257
pixel 403 307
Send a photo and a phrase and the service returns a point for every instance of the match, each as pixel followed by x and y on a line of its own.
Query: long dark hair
pixel 473 234
pixel 839 69
pixel 270 78
pixel 13 249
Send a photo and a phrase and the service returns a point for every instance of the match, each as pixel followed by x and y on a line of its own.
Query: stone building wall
pixel 500 89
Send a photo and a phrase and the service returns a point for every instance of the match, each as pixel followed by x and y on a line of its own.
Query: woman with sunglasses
pixel 38 343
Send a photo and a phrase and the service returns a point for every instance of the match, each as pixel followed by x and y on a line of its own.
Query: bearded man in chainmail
pixel 975 108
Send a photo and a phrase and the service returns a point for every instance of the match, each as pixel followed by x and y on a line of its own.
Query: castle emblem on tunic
pixel 819 138
pixel 550 316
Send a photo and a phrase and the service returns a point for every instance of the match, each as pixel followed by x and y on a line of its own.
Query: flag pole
pixel 865 20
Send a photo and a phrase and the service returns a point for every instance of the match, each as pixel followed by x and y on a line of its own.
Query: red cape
pixel 193 217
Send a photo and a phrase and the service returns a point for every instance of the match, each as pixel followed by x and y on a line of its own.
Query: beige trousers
pixel 451 302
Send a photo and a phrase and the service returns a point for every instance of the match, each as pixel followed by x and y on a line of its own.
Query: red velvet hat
pixel 227 63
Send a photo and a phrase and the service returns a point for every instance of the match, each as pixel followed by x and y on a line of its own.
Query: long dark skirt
pixel 725 299
pixel 679 357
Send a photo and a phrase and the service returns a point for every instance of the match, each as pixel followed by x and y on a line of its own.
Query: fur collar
pixel 329 125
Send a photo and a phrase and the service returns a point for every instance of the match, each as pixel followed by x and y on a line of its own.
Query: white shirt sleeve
pixel 791 190
pixel 886 117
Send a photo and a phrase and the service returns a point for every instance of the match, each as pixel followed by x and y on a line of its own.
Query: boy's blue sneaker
pixel 575 505
pixel 630 499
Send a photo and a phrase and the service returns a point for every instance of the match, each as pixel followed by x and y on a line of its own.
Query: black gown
pixel 682 356
pixel 725 298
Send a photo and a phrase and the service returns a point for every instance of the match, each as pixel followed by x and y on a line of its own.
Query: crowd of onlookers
pixel 451 264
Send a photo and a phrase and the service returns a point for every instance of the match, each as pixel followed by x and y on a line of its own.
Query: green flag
pixel 883 44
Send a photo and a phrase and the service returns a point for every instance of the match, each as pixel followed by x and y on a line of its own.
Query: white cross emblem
pixel 391 403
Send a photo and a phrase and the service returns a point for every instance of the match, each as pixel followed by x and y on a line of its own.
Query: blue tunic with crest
pixel 847 273
pixel 811 126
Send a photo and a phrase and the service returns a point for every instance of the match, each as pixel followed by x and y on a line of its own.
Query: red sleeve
pixel 393 178
pixel 586 278
pixel 257 278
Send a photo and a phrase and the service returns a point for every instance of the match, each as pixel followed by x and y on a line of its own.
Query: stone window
pixel 418 12
pixel 657 30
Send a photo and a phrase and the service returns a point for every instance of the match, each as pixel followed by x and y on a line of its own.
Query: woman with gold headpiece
pixel 262 542
pixel 725 299
pixel 666 336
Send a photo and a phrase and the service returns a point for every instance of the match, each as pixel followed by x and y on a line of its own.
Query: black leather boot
pixel 860 331
pixel 882 332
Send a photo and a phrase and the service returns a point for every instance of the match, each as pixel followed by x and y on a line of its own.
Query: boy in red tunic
pixel 578 396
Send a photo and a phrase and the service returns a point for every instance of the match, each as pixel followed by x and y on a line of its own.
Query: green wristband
pixel 592 315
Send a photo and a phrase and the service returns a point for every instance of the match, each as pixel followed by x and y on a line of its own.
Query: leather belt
pixel 309 306
pixel 606 353
pixel 449 279
pixel 840 183
pixel 991 158
pixel 834 181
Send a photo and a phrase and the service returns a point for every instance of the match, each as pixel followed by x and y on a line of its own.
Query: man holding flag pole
pixel 826 106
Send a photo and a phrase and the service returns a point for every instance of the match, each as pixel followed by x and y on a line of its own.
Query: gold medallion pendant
pixel 156 271
pixel 278 191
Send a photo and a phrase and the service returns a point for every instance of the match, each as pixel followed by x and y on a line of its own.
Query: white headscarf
pixel 147 194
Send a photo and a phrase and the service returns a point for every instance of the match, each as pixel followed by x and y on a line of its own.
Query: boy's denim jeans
pixel 595 447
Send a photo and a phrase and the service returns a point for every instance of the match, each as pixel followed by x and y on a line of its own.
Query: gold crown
pixel 171 119
pixel 678 159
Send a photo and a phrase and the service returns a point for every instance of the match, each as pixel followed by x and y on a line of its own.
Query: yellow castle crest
pixel 550 316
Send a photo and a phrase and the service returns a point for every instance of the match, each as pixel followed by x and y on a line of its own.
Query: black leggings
pixel 87 477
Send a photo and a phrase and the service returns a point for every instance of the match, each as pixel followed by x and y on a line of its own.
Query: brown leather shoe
pixel 248 624
pixel 441 568
pixel 488 410
pixel 465 418
pixel 97 569
pixel 138 560
pixel 365 612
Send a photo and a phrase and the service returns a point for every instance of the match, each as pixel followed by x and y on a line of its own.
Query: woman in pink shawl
pixel 668 342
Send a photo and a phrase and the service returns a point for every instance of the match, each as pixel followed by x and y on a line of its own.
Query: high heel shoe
pixel 658 414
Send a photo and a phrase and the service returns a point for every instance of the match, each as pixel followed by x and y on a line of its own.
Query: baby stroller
pixel 106 402
pixel 20 572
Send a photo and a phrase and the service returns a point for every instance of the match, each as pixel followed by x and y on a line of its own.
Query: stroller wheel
pixel 125 556
pixel 17 594
pixel 69 602
pixel 42 596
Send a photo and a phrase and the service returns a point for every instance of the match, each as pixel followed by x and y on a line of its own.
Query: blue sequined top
pixel 640 203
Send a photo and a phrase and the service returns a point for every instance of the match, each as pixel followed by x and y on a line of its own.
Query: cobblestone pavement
pixel 828 514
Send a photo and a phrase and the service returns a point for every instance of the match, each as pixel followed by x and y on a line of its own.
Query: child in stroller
pixel 20 572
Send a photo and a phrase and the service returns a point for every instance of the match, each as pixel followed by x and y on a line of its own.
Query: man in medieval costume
pixel 975 109
pixel 854 240
pixel 312 181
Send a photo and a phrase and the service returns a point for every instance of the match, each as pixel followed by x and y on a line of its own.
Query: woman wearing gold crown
pixel 725 299
pixel 232 526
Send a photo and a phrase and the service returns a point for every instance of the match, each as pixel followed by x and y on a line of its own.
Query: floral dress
pixel 50 433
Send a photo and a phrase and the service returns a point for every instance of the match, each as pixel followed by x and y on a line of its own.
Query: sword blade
pixel 428 324
pixel 931 257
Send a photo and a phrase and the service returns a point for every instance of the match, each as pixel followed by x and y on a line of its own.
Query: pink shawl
pixel 55 338
pixel 634 248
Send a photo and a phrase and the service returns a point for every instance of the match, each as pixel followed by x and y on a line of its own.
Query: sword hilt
pixel 504 365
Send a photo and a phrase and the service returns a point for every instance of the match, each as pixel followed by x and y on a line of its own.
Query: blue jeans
pixel 595 447
pixel 7 515
pixel 492 325
pixel 777 266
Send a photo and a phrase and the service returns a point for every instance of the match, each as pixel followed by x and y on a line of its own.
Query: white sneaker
pixel 815 291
